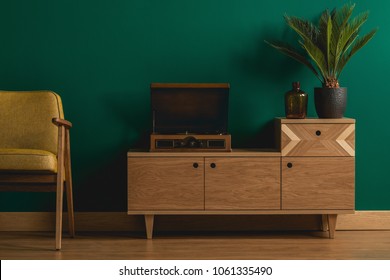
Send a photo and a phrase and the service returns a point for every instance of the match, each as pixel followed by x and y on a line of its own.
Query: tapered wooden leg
pixel 69 200
pixel 324 222
pixel 59 206
pixel 69 191
pixel 149 219
pixel 332 219
pixel 60 186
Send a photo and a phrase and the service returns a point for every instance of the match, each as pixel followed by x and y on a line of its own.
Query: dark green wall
pixel 101 56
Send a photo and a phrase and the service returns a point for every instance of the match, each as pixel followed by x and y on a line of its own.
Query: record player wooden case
pixel 190 117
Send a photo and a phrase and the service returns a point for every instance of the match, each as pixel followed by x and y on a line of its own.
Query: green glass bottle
pixel 296 102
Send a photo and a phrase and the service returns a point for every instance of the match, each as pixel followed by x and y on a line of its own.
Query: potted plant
pixel 329 46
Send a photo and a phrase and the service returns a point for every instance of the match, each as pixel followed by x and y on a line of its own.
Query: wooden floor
pixel 263 245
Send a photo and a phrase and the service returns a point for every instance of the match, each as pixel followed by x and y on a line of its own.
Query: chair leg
pixel 60 185
pixel 60 188
pixel 69 200
pixel 68 180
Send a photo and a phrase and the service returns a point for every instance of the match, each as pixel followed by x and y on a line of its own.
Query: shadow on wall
pixel 134 123
pixel 264 138
pixel 105 187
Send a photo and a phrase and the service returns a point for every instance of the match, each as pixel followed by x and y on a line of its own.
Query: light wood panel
pixel 312 245
pixel 318 140
pixel 233 153
pixel 364 220
pixel 242 183
pixel 165 183
pixel 318 183
pixel 120 221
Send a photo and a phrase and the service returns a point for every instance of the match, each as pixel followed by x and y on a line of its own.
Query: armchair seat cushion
pixel 27 160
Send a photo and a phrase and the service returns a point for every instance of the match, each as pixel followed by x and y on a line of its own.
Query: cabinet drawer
pixel 318 183
pixel 166 183
pixel 318 139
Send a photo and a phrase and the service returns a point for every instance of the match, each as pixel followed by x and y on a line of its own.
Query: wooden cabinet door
pixel 166 183
pixel 318 183
pixel 242 183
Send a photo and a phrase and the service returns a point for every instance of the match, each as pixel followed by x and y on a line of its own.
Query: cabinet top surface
pixel 315 120
pixel 234 153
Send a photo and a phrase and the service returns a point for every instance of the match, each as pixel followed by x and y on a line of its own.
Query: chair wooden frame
pixel 31 182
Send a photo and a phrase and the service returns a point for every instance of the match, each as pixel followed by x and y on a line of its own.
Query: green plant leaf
pixel 349 31
pixel 316 55
pixel 350 42
pixel 340 19
pixel 293 53
pixel 329 45
pixel 322 28
pixel 360 42
pixel 325 36
pixel 305 29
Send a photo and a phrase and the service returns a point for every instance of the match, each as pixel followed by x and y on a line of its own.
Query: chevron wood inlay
pixel 342 139
pixel 318 139
pixel 294 140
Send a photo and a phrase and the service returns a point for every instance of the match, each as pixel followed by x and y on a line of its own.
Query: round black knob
pixel 189 142
pixel 213 165
pixel 195 165
pixel 289 165
pixel 318 132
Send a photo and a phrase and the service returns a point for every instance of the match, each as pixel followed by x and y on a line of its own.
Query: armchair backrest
pixel 26 120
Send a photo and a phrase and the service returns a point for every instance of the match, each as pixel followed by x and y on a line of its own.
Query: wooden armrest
pixel 62 122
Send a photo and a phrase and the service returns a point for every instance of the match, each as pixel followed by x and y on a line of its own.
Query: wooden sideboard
pixel 312 171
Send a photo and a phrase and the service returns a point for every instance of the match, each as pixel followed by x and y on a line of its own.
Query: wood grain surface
pixel 318 183
pixel 165 183
pixel 291 245
pixel 242 183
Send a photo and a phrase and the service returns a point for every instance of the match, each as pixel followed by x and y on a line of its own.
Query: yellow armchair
pixel 35 148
